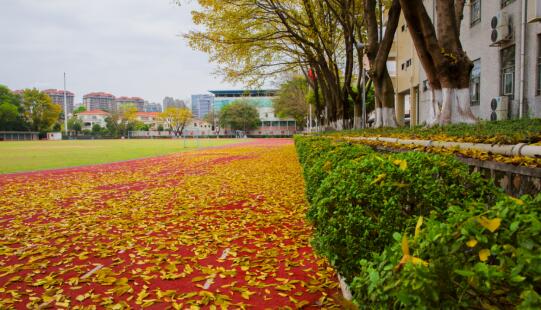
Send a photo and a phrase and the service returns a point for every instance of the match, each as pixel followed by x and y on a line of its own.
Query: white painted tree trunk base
pixel 434 108
pixel 385 117
pixel 456 107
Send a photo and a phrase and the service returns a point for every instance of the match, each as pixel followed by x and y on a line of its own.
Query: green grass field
pixel 39 155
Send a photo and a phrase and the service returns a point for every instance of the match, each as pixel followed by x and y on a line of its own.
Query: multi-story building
pixel 99 101
pixel 271 124
pixel 139 103
pixel 202 105
pixel 152 107
pixel 89 118
pixel 171 102
pixel 149 118
pixel 58 98
pixel 503 39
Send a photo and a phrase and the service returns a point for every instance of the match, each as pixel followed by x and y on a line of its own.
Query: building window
pixel 506 2
pixel 507 78
pixel 539 65
pixel 475 82
pixel 475 16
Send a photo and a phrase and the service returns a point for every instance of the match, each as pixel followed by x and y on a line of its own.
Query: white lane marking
pixel 91 272
pixel 210 280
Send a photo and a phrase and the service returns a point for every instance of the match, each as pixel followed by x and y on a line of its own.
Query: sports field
pixel 217 228
pixel 39 155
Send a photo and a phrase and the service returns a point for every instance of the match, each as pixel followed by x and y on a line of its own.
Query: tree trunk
pixel 378 53
pixel 445 62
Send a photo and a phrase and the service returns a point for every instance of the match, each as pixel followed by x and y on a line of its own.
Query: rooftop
pixel 57 92
pixel 99 94
pixel 244 93
pixel 93 112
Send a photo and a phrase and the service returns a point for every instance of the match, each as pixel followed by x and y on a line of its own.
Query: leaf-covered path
pixel 221 227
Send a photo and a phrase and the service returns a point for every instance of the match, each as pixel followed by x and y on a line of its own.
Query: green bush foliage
pixel 363 201
pixel 324 164
pixel 478 257
pixel 419 231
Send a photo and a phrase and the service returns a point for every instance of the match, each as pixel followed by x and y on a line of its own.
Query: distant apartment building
pixel 152 107
pixel 270 124
pixel 58 98
pixel 503 39
pixel 202 105
pixel 89 118
pixel 149 118
pixel 171 102
pixel 139 103
pixel 99 101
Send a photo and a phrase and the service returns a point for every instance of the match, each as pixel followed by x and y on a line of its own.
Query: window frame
pixel 475 84
pixel 477 20
pixel 507 72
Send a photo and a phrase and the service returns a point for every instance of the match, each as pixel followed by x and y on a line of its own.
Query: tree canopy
pixel 325 40
pixel 291 100
pixel 10 109
pixel 38 110
pixel 239 115
pixel 176 119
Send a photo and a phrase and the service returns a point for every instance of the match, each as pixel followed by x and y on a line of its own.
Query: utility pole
pixel 65 107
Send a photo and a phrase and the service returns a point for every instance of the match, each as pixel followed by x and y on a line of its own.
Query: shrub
pixel 478 258
pixel 359 198
pixel 322 165
pixel 311 148
pixel 364 200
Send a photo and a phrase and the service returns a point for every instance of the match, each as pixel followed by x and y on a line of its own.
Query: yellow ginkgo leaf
pixel 418 227
pixel 405 246
pixel 491 225
pixel 471 243
pixel 484 254
pixel 403 165
pixel 517 201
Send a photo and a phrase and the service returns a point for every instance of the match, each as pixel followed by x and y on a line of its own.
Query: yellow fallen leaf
pixel 491 225
pixel 484 254
pixel 403 165
pixel 418 227
pixel 471 243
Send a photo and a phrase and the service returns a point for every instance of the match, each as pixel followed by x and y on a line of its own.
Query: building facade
pixel 149 118
pixel 152 107
pixel 271 124
pixel 503 39
pixel 99 101
pixel 58 98
pixel 202 105
pixel 89 118
pixel 171 102
pixel 139 103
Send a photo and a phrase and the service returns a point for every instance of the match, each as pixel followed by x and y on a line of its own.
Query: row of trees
pixel 31 110
pixel 327 40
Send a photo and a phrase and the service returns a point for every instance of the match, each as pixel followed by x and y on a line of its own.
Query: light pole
pixel 65 107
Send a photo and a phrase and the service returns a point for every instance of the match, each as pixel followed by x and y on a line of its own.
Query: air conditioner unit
pixel 498 108
pixel 501 28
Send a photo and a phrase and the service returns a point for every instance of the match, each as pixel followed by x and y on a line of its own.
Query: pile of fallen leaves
pixel 219 228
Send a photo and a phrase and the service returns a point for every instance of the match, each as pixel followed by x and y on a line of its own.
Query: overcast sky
pixel 125 47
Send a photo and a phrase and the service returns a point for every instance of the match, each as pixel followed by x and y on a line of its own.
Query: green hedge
pixel 469 266
pixel 362 202
pixel 360 199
